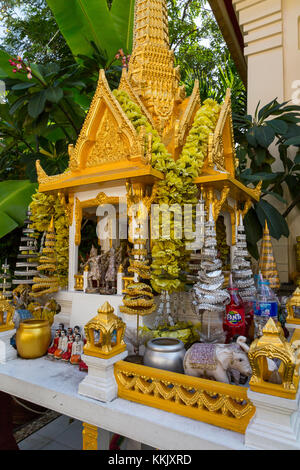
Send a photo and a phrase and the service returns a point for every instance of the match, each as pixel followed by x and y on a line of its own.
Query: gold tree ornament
pixel 138 299
pixel 267 264
pixel 273 345
pixel 6 321
pixel 47 283
pixel 105 334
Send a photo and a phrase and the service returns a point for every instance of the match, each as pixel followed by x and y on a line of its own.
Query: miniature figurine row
pixel 67 346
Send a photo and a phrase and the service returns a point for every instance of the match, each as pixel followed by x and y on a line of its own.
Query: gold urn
pixel 33 338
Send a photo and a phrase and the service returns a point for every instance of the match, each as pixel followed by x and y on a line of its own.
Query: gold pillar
pixel 89 437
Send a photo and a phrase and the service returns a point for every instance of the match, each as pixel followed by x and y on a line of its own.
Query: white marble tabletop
pixel 54 385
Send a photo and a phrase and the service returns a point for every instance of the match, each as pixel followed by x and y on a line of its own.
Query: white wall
pixel 272 40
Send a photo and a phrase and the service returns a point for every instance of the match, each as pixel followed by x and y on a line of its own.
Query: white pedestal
pixel 7 352
pixel 100 382
pixel 276 423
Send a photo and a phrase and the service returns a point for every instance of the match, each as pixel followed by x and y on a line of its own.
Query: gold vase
pixel 33 338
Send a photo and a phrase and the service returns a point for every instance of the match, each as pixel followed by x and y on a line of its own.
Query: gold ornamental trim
pixel 294 301
pixel 89 437
pixel 273 345
pixel 6 307
pixel 68 206
pixel 222 405
pixel 118 141
pixel 106 324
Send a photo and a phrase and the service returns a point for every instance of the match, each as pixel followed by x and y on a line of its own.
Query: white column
pixel 276 423
pixel 73 254
pixel 7 352
pixel 100 382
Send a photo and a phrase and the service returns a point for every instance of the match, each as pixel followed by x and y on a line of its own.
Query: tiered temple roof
pixel 109 147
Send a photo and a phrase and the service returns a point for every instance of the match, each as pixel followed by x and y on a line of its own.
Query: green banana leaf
pixel 15 197
pixel 83 22
pixel 122 13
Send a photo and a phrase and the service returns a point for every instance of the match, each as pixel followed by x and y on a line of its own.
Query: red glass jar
pixel 234 318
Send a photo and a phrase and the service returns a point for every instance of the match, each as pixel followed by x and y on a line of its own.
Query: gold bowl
pixel 33 338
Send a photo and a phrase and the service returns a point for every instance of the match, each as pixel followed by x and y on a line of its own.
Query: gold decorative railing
pixel 222 405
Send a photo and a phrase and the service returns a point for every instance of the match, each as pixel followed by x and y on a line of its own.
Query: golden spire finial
pixel 266 228
pixel 51 225
pixel 151 69
pixel 151 23
pixel 106 308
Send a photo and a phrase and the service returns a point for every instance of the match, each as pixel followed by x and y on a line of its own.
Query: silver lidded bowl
pixel 165 353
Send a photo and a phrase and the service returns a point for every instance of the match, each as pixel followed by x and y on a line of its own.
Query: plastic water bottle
pixel 265 306
pixel 257 278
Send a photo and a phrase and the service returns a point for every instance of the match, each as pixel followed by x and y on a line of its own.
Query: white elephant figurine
pixel 218 361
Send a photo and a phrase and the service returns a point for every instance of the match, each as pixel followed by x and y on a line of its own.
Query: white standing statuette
pixel 85 279
pixel 120 280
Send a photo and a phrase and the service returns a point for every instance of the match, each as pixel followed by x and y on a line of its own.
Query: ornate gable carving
pixel 110 145
pixel 126 86
pixel 107 134
pixel 187 119
pixel 221 144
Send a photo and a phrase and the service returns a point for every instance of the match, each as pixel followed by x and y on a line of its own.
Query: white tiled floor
pixel 60 434
pixel 66 434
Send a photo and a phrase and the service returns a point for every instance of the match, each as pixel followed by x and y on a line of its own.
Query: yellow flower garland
pixel 170 256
